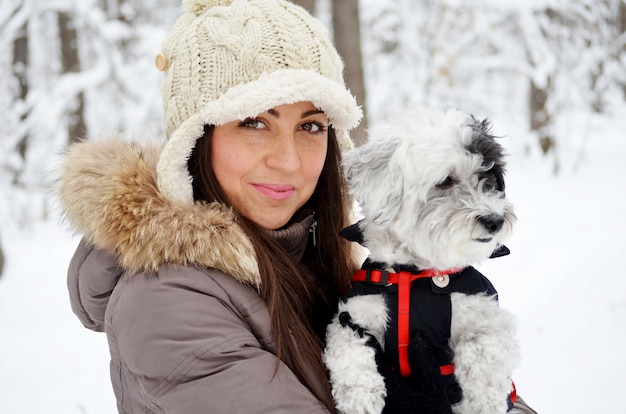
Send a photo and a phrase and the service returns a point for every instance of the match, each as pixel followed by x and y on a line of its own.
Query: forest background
pixel 549 74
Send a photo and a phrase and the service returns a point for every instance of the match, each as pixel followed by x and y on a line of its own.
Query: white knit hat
pixel 231 60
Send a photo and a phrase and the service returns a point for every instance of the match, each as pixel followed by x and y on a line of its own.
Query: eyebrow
pixel 275 113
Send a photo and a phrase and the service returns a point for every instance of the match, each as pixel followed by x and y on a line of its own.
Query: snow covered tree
pixel 523 66
pixel 73 66
pixel 576 56
pixel 20 64
pixel 442 53
pixel 70 63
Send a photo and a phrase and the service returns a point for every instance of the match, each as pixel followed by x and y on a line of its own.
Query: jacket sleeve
pixel 193 342
pixel 91 277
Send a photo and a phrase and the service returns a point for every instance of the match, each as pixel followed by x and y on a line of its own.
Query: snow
pixel 49 362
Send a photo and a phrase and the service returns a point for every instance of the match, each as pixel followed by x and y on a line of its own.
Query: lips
pixel 275 191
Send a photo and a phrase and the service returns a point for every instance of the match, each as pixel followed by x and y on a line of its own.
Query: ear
pixel 484 143
pixel 374 178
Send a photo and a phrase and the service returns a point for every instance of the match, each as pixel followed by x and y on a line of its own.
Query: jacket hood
pixel 107 191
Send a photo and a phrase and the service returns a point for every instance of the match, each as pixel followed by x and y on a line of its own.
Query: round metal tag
pixel 441 281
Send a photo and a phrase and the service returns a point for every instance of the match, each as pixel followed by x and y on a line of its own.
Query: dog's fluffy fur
pixel 431 189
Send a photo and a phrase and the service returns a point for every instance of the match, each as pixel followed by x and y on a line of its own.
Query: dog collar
pixel 383 278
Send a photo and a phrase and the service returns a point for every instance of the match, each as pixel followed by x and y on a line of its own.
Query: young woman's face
pixel 268 166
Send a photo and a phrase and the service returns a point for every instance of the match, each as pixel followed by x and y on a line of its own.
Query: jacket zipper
pixel 313 231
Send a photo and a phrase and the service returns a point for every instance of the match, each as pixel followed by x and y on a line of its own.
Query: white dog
pixel 431 191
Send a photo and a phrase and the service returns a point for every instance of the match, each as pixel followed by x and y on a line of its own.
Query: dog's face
pixel 431 189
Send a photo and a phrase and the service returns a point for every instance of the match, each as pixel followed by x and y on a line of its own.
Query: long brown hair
pixel 299 306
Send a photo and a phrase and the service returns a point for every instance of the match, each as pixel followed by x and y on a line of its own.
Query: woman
pixel 213 262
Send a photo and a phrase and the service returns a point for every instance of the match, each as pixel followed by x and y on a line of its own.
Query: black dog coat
pixel 430 309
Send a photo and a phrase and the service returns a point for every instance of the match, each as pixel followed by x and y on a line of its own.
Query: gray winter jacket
pixel 175 289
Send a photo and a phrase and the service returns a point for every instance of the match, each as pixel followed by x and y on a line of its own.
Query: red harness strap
pixel 403 280
pixel 446 369
pixel 513 394
pixel 404 308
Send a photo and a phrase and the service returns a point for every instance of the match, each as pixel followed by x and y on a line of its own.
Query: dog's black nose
pixel 492 223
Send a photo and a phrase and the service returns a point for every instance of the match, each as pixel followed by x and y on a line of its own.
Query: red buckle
pixel 377 277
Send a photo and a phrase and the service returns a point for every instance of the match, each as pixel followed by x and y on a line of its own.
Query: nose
pixel 492 223
pixel 283 154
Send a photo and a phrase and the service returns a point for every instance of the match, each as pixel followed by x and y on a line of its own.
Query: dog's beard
pixel 452 234
pixel 442 232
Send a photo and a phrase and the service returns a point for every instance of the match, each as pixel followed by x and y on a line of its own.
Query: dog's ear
pixel 484 143
pixel 374 178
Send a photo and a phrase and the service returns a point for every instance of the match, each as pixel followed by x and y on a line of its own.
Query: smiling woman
pixel 268 166
pixel 214 262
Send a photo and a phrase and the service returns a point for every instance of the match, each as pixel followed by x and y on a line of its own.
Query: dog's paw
pixel 357 386
pixel 485 346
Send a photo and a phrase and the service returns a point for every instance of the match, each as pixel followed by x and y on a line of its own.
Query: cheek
pixel 227 163
pixel 314 165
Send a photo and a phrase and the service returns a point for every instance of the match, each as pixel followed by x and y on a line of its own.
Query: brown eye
pixel 252 123
pixel 448 182
pixel 313 127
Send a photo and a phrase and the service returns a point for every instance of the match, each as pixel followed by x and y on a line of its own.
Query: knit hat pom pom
pixel 198 7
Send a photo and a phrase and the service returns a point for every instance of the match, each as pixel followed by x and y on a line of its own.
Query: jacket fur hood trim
pixel 107 191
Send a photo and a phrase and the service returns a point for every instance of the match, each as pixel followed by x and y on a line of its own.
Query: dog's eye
pixel 448 182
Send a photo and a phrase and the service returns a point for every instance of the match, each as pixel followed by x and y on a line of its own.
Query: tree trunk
pixel 622 30
pixel 71 63
pixel 347 36
pixel 20 65
pixel 540 117
pixel 309 5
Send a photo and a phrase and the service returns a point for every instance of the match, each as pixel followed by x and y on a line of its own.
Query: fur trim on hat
pixel 107 191
pixel 282 87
